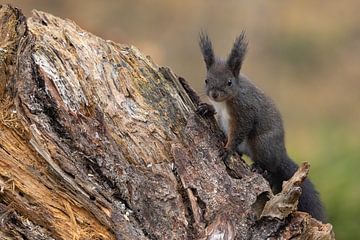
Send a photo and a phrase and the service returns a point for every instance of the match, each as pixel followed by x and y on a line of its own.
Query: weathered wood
pixel 98 142
pixel 285 202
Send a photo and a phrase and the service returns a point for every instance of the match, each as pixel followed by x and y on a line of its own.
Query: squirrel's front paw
pixel 255 167
pixel 205 110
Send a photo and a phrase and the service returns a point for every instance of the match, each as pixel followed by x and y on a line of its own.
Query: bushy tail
pixel 309 200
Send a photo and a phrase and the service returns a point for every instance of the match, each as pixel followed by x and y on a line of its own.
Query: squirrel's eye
pixel 206 81
pixel 229 82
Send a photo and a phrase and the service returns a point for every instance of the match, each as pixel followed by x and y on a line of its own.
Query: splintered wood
pixel 285 202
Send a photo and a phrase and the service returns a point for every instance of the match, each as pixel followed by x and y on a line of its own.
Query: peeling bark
pixel 98 142
pixel 285 202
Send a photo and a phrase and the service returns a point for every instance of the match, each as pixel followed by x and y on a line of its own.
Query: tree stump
pixel 98 142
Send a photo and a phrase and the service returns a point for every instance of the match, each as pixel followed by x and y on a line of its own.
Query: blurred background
pixel 304 54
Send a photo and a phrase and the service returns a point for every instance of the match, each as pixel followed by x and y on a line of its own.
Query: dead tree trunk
pixel 98 142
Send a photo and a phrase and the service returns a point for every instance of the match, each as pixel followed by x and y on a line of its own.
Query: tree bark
pixel 98 142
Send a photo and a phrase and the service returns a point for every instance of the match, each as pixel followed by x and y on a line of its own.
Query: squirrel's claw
pixel 205 110
pixel 255 167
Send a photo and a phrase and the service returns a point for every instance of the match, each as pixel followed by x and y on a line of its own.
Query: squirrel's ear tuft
pixel 206 50
pixel 237 54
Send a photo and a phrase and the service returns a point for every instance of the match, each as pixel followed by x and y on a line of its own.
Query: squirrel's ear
pixel 206 50
pixel 237 54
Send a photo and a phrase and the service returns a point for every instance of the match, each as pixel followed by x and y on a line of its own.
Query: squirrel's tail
pixel 309 200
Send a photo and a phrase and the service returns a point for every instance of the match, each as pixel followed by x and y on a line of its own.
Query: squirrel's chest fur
pixel 222 115
pixel 223 119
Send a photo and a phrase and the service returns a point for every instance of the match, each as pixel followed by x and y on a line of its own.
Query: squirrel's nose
pixel 214 95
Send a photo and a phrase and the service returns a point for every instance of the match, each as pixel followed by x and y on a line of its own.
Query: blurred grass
pixel 334 169
pixel 339 154
pixel 304 54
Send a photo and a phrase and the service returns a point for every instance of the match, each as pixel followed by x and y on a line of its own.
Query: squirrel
pixel 251 121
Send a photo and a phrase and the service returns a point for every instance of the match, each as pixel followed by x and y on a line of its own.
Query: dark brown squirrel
pixel 251 121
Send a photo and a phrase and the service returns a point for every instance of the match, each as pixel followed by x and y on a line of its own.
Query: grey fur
pixel 206 49
pixel 253 120
pixel 237 54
